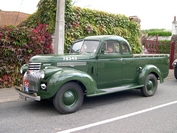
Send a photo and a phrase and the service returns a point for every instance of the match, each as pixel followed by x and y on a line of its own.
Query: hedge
pixel 17 45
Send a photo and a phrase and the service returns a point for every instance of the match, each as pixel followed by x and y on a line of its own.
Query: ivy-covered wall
pixel 81 22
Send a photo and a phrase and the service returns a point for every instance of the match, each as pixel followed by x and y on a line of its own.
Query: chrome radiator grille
pixel 33 79
pixel 34 66
pixel 33 76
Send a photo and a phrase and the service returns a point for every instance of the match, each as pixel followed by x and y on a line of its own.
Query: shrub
pixel 159 32
pixel 17 46
pixel 164 46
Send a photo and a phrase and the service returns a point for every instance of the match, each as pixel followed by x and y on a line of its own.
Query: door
pixel 129 64
pixel 109 65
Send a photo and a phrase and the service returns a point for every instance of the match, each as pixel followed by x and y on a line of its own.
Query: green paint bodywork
pixel 99 73
pixel 24 68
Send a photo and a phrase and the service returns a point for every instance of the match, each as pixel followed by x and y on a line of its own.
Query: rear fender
pixel 147 70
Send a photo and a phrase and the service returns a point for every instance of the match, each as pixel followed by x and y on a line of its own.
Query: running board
pixel 114 89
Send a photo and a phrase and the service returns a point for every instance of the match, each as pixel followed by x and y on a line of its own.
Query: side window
pixel 116 46
pixel 125 48
pixel 110 46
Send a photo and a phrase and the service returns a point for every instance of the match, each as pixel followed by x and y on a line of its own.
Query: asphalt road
pixel 124 112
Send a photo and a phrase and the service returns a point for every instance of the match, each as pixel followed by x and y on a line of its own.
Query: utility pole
pixel 59 28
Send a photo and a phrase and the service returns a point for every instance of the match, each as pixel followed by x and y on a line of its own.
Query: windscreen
pixel 89 46
pixel 86 46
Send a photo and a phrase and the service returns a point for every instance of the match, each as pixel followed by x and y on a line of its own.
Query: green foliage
pixel 85 22
pixel 46 14
pixel 164 46
pixel 159 32
pixel 81 22
pixel 31 22
pixel 17 46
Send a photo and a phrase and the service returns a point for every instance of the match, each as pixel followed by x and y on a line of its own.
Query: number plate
pixel 26 89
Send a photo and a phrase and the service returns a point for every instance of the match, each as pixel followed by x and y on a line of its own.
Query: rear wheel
pixel 69 98
pixel 150 86
pixel 175 72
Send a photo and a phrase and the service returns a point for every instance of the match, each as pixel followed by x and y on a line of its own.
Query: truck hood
pixel 60 58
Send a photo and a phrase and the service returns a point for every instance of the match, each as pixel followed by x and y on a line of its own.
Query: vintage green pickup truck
pixel 96 65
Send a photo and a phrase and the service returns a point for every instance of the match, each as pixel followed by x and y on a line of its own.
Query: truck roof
pixel 105 37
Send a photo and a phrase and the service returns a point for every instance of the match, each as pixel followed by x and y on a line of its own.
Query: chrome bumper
pixel 25 96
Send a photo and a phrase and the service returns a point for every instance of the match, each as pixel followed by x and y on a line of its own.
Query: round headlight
pixel 174 64
pixel 42 74
pixel 21 70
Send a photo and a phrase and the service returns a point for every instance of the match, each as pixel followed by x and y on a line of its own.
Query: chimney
pixel 174 26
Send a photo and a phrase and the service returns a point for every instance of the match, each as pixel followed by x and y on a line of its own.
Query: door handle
pixel 93 70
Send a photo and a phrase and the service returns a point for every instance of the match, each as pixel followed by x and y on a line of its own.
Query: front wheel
pixel 69 98
pixel 150 85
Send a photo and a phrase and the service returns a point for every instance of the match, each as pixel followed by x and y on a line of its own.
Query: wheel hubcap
pixel 69 98
pixel 150 85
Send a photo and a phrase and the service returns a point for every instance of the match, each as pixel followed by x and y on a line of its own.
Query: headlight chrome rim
pixel 174 64
pixel 21 70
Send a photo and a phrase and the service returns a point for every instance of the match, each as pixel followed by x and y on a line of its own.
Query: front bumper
pixel 25 96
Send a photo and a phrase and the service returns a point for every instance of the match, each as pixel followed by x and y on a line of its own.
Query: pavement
pixel 9 94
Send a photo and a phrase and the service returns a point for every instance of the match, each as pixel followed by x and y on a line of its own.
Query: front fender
pixel 23 69
pixel 68 74
pixel 174 64
pixel 147 70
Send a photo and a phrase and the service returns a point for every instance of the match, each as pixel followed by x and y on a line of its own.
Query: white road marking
pixel 116 118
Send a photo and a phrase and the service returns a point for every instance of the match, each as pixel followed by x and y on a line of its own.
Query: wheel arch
pixel 150 69
pixel 85 81
pixel 79 83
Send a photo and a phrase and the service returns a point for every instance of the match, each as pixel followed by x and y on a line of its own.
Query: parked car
pixel 91 69
pixel 174 64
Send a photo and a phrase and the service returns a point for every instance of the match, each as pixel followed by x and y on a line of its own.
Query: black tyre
pixel 69 98
pixel 150 86
pixel 175 72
